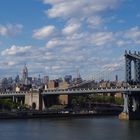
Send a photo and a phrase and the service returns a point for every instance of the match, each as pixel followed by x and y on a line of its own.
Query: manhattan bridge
pixel 130 91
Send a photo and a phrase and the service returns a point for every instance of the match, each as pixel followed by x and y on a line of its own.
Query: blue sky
pixel 58 37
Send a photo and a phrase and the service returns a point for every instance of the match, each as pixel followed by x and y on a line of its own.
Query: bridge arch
pixel 34 105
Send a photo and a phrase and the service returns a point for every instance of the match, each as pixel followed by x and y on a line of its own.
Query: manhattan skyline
pixel 57 37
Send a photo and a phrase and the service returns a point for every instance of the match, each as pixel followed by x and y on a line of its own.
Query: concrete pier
pixel 123 116
pixel 131 109
pixel 34 100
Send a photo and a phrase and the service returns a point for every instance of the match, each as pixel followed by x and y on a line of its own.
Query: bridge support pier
pixel 131 108
pixel 35 100
pixel 19 100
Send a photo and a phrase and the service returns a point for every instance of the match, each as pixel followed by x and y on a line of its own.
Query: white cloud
pixel 44 32
pixel 95 21
pixel 102 38
pixel 10 30
pixel 16 50
pixel 3 30
pixel 62 9
pixel 133 33
pixel 79 8
pixel 71 28
pixel 111 67
pixel 129 37
pixel 69 49
pixel 52 1
pixel 56 67
pixel 53 43
pixel 10 63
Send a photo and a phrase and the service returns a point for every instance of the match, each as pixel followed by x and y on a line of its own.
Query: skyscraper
pixel 68 79
pixel 17 79
pixel 25 75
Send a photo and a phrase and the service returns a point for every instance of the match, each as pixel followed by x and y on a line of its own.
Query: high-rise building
pixel 4 84
pixel 10 80
pixel 116 78
pixel 46 79
pixel 68 79
pixel 25 75
pixel 17 79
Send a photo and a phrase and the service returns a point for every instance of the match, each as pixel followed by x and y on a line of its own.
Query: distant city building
pixel 52 84
pixel 45 79
pixel 17 79
pixel 25 75
pixel 39 81
pixel 17 89
pixel 59 80
pixel 29 80
pixel 68 79
pixel 3 84
pixel 116 78
pixel 78 79
pixel 10 80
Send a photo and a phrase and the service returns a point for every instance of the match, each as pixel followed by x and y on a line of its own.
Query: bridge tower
pixel 131 99
pixel 127 68
pixel 129 58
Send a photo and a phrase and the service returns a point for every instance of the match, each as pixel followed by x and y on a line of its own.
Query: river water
pixel 102 128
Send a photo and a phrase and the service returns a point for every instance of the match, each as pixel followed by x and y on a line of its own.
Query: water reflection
pixel 70 129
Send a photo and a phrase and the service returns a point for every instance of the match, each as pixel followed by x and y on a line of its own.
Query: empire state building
pixel 25 75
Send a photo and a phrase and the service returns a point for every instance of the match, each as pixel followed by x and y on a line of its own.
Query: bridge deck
pixel 91 91
pixel 77 91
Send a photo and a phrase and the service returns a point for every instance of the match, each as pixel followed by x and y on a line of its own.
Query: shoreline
pixel 42 114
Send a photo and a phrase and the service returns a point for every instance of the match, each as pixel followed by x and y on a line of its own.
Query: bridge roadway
pixel 91 91
pixel 12 93
pixel 76 91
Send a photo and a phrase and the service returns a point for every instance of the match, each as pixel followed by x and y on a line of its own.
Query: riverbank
pixel 45 114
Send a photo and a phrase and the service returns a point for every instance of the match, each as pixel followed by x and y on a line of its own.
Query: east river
pixel 102 128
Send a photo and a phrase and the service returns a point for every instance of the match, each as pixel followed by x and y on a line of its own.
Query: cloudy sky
pixel 58 37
